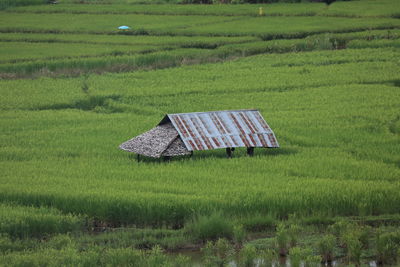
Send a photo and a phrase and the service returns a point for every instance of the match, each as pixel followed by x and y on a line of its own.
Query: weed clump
pixel 248 255
pixel 213 227
pixel 387 247
pixel 326 247
pixel 217 253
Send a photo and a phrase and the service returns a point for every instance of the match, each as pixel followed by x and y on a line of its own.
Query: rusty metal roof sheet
pixel 222 129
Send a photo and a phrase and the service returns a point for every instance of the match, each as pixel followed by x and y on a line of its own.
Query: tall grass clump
pixel 218 253
pixel 212 227
pixel 387 247
pixel 303 257
pixel 326 246
pixel 248 256
pixel 282 239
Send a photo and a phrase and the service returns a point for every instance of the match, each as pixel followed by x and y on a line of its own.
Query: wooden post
pixel 229 152
pixel 138 157
pixel 191 154
pixel 250 151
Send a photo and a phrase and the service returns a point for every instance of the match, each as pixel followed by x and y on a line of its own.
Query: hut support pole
pixel 138 158
pixel 191 154
pixel 250 151
pixel 229 152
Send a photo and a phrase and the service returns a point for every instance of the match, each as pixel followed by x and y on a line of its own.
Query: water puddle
pixel 196 260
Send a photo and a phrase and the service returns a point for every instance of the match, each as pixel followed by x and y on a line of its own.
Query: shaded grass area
pixel 5 4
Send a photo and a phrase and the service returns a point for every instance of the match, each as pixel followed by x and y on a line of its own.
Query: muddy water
pixel 195 257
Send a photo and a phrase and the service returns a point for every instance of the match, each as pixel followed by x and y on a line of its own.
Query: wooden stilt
pixel 229 152
pixel 138 158
pixel 250 151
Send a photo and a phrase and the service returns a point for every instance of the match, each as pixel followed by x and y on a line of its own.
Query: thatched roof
pixel 162 140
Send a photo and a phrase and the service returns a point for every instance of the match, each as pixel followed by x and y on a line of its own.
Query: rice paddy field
pixel 73 88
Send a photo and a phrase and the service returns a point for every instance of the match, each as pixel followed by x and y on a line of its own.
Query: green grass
pixel 374 43
pixel 91 23
pixel 277 9
pixel 288 27
pixel 24 51
pixel 5 4
pixel 73 89
pixel 181 41
pixel 64 59
pixel 267 27
pixel 369 8
pixel 23 222
pixel 345 161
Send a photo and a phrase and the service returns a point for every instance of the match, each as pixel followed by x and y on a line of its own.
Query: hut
pixel 182 133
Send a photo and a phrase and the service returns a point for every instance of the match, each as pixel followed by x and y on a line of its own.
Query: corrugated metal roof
pixel 222 129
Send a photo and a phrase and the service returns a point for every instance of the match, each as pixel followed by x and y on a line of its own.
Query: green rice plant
pixel 11 244
pixel 211 227
pixel 301 257
pixel 6 4
pixel 267 257
pixel 293 232
pixel 182 261
pixel 374 43
pixel 76 66
pixel 326 246
pixel 14 52
pixel 296 256
pixel 121 40
pixel 282 239
pixel 136 238
pixel 369 8
pixel 277 9
pixel 340 227
pixel 61 241
pixel 98 23
pixel 51 136
pixel 353 246
pixel 218 253
pixel 387 247
pixel 269 28
pixel 91 257
pixel 386 8
pixel 248 256
pixel 24 222
pixel 239 235
pixel 259 223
